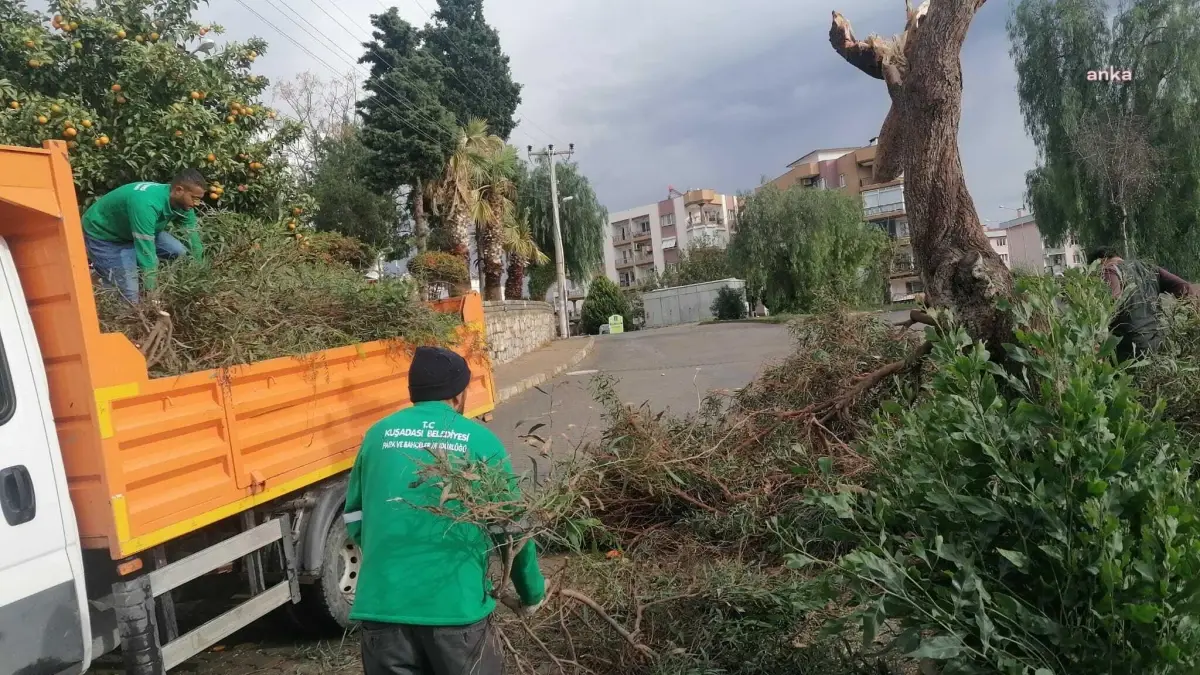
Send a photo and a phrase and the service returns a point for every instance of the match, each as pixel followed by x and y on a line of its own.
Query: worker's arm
pixel 195 246
pixel 1169 283
pixel 143 224
pixel 352 512
pixel 526 575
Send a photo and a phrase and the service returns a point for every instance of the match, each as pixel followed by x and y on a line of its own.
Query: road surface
pixel 674 368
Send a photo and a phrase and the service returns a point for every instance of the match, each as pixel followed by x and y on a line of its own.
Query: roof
pixel 806 159
pixel 1008 224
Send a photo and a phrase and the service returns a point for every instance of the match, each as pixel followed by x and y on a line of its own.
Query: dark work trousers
pixel 401 649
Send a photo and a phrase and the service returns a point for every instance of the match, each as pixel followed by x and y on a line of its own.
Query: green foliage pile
pixel 1035 518
pixel 111 81
pixel 261 294
pixel 604 299
pixel 801 250
pixel 729 305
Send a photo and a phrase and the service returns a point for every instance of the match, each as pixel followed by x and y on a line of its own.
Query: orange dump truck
pixel 117 489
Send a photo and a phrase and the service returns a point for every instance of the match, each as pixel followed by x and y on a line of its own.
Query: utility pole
pixel 559 263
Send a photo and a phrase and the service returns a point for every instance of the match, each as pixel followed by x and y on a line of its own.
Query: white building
pixel 644 240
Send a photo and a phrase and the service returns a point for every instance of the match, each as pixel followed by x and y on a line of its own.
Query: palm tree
pixel 522 249
pixel 495 212
pixel 455 197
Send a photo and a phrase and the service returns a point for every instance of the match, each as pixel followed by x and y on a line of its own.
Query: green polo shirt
pixel 135 214
pixel 421 568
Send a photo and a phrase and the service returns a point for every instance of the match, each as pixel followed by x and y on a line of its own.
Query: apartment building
pixel 1022 247
pixel 850 170
pixel 644 240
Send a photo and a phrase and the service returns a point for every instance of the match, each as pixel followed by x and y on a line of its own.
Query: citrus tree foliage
pixel 1054 44
pixel 1030 520
pixel 799 247
pixel 117 82
pixel 583 219
pixel 604 299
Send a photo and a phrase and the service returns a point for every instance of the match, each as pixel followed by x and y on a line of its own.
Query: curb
pixel 534 380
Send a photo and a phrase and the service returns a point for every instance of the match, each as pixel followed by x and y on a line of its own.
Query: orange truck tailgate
pixel 150 460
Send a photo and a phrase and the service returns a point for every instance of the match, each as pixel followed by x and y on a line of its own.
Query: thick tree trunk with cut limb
pixel 922 70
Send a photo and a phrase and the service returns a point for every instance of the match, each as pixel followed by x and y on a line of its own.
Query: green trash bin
pixel 616 324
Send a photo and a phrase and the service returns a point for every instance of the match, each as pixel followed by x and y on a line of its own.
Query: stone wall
pixel 516 327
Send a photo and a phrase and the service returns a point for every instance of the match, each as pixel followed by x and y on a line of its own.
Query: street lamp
pixel 567 199
pixel 1019 209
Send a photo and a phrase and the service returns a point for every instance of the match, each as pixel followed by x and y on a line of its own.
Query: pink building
pixel 1021 247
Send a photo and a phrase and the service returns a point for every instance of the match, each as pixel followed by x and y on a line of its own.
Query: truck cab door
pixel 44 626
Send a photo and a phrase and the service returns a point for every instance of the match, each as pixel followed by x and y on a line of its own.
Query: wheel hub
pixel 349 562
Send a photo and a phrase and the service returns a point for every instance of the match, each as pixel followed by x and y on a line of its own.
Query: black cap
pixel 437 374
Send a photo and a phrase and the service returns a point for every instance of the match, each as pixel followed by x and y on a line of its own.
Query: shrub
pixel 262 294
pixel 729 305
pixel 604 299
pixel 439 267
pixel 1034 519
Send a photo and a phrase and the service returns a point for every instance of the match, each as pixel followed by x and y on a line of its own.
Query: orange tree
pixel 121 84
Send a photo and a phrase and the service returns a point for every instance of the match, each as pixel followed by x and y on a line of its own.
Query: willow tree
pixel 922 69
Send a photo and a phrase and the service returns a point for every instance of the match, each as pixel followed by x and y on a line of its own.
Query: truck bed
pixel 149 460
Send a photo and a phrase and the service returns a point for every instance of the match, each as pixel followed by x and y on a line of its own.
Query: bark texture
pixel 420 224
pixel 922 70
pixel 514 287
pixel 491 249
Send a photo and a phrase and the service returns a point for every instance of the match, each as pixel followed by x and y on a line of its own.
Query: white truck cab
pixel 44 623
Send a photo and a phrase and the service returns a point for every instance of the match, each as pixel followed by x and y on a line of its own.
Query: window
pixel 1000 241
pixel 1078 258
pixel 1004 258
pixel 915 287
pixel 8 399
pixel 821 183
pixel 841 180
pixel 667 220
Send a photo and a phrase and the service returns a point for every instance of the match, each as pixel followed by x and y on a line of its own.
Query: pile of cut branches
pixel 260 294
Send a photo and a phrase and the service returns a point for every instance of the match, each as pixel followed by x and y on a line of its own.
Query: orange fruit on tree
pixel 178 134
pixel 14 105
pixel 103 139
pixel 121 34
pixel 231 119
pixel 297 211
pixel 42 119
pixel 86 124
pixel 140 39
pixel 56 20
pixel 70 132
pixel 30 44
pixel 195 96
pixel 121 99
pixel 214 196
pixel 154 37
pixel 34 63
pixel 72 144
pixel 211 157
pixel 115 87
pixel 74 26
pixel 55 108
pixel 292 225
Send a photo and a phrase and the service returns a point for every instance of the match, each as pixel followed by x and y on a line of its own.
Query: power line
pixel 396 96
pixel 327 66
pixel 546 134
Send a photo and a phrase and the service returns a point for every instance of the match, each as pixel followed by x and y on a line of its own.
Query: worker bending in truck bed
pixel 1137 287
pixel 423 595
pixel 126 230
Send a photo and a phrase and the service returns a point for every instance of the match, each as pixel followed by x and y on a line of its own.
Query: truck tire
pixel 326 603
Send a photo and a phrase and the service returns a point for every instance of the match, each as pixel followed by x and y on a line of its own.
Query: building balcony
pixel 643 259
pixel 624 263
pixel 699 197
pixel 641 236
pixel 884 210
pixel 903 269
pixel 621 238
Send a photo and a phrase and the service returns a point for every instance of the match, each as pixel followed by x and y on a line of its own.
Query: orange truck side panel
pixel 151 460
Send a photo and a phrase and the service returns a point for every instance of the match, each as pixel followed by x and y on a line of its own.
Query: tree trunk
pixel 919 141
pixel 460 228
pixel 514 287
pixel 491 252
pixel 420 224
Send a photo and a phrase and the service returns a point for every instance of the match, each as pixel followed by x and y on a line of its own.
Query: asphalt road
pixel 672 368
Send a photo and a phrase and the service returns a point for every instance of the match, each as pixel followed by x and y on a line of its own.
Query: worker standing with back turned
pixel 423 595
pixel 126 230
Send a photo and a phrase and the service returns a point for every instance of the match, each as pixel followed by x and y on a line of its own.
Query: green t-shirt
pixel 136 213
pixel 418 567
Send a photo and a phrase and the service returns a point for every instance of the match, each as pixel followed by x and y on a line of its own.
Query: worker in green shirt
pixel 423 595
pixel 126 229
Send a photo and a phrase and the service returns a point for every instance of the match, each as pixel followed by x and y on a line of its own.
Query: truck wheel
pixel 328 601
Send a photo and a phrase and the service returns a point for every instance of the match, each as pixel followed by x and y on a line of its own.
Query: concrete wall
pixel 516 327
pixel 684 304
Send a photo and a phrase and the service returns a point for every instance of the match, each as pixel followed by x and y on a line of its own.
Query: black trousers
pixel 401 649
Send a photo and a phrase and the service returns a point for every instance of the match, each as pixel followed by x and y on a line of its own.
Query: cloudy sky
pixel 689 93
